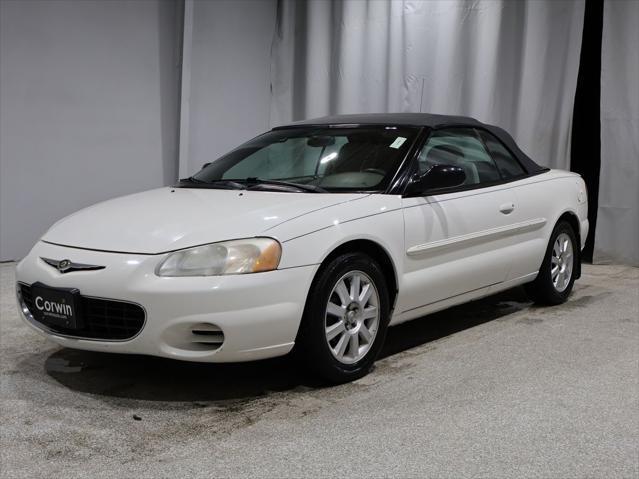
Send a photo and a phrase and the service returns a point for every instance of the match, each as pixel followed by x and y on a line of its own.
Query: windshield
pixel 323 159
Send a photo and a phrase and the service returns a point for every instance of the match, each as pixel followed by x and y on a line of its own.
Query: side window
pixel 508 165
pixel 459 147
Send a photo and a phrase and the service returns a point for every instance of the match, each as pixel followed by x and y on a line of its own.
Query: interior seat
pixel 354 156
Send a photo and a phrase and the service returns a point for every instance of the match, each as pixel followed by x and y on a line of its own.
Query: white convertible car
pixel 314 236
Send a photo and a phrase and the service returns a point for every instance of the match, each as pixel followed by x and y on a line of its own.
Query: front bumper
pixel 258 314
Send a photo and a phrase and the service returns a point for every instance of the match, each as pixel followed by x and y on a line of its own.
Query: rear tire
pixel 557 273
pixel 345 319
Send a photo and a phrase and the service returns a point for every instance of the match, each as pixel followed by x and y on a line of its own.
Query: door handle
pixel 507 208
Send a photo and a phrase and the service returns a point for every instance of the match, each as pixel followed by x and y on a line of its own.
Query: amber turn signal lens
pixel 269 259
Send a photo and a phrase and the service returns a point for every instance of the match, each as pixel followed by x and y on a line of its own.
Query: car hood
pixel 167 219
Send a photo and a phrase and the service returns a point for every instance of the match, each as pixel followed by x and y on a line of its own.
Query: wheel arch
pixel 375 251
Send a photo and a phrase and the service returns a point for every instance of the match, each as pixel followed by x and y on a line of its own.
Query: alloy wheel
pixel 352 317
pixel 561 262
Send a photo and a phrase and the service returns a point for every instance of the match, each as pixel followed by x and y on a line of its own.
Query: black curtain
pixel 585 146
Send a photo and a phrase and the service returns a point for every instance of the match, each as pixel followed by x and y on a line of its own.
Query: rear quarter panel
pixel 548 195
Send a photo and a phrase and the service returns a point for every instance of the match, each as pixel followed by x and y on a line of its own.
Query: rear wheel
pixel 557 273
pixel 345 319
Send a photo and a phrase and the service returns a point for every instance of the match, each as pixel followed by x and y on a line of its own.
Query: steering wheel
pixel 375 170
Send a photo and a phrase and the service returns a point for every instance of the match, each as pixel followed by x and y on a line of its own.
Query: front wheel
pixel 557 273
pixel 345 318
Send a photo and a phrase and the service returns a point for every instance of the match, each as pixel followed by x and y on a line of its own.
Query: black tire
pixel 312 345
pixel 542 290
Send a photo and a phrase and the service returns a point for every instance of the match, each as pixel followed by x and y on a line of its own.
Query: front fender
pixel 309 239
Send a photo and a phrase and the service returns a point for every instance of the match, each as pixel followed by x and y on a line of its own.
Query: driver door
pixel 452 239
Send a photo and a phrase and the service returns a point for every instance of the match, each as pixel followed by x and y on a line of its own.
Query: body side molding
pixel 477 237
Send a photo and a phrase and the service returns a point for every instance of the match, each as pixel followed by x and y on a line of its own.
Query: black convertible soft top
pixel 422 120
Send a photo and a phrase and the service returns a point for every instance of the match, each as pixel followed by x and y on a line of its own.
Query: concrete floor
pixel 496 388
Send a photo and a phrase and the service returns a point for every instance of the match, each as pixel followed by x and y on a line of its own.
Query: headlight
pixel 227 257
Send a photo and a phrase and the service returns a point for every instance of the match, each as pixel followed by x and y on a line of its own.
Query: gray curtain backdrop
pixel 90 89
pixel 617 233
pixel 88 108
pixel 510 63
pixel 229 77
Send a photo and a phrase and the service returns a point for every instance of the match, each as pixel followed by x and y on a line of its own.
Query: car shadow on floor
pixel 157 379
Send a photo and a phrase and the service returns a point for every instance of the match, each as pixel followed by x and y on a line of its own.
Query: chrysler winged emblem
pixel 66 265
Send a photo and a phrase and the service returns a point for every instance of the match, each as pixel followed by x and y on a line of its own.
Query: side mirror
pixel 206 164
pixel 438 177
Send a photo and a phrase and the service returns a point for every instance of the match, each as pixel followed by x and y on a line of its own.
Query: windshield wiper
pixel 247 184
pixel 227 184
pixel 261 181
pixel 191 179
